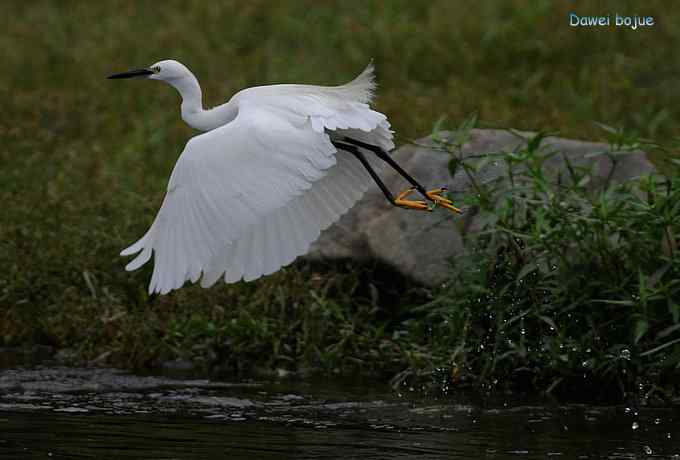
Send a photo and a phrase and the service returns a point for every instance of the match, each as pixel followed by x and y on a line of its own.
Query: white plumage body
pixel 253 192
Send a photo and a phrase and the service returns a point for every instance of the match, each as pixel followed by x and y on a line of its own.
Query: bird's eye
pixel 156 68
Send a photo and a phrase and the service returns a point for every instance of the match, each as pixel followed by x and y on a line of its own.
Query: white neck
pixel 192 105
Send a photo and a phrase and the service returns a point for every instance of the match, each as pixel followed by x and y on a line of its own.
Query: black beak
pixel 132 74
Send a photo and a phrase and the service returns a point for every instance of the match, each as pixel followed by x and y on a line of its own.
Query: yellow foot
pixel 410 204
pixel 435 195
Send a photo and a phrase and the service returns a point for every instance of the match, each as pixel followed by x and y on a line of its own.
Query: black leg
pixel 360 156
pixel 380 153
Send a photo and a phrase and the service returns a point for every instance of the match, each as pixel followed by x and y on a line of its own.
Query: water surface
pixel 85 413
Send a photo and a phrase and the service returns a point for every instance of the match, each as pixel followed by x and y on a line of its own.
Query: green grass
pixel 85 160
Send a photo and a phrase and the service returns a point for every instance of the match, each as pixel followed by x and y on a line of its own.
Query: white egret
pixel 252 192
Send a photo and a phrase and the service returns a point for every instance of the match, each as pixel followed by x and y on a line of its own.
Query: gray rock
pixel 422 245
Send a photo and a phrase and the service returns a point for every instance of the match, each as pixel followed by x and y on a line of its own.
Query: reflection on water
pixel 163 419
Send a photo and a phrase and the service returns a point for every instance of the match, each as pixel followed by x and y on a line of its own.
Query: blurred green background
pixel 84 160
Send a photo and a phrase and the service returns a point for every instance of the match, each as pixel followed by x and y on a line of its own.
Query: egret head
pixel 167 70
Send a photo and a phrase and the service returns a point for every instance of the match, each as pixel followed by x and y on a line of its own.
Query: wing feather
pixel 290 230
pixel 225 181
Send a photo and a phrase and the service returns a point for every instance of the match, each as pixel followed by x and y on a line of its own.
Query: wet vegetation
pixel 565 288
pixel 568 286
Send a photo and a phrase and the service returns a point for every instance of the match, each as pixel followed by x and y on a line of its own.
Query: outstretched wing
pixel 225 181
pixel 288 232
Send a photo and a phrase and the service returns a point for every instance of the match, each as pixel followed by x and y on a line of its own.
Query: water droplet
pixel 668 436
pixel 627 410
pixel 635 425
pixel 657 421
